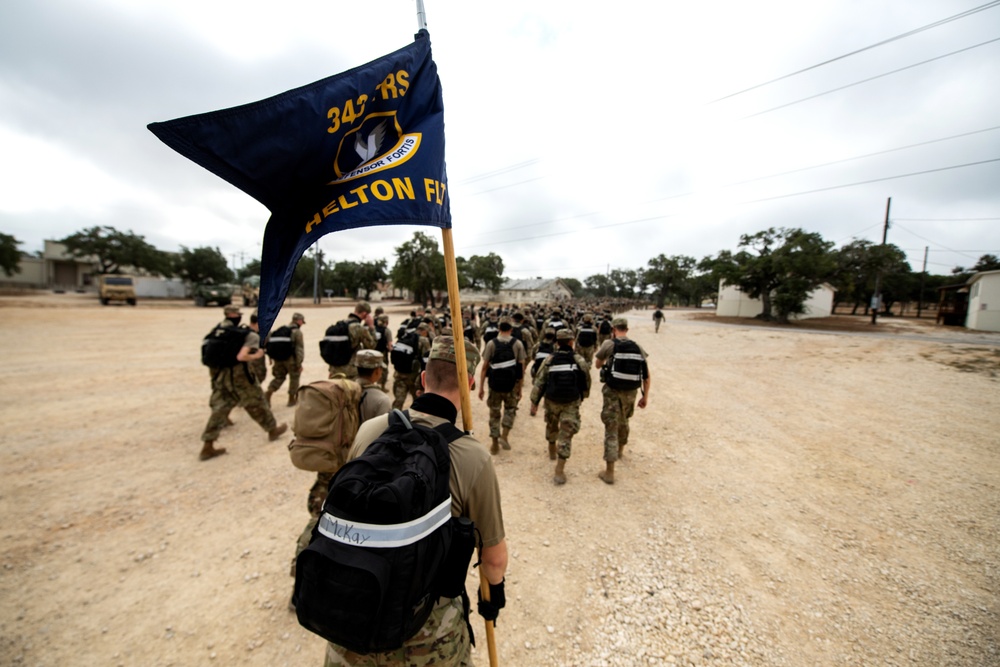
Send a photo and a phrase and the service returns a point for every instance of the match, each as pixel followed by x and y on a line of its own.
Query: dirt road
pixel 786 499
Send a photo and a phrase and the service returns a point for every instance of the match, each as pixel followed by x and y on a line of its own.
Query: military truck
pixel 209 293
pixel 112 287
pixel 251 290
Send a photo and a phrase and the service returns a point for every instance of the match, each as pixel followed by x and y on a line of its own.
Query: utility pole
pixel 923 274
pixel 317 258
pixel 877 296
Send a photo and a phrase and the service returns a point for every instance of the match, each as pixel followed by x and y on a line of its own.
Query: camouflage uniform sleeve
pixel 585 367
pixel 541 377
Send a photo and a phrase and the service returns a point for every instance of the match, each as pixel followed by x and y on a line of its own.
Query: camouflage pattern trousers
pixel 314 503
pixel 617 410
pixel 442 642
pixel 562 422
pixel 259 369
pixel 233 387
pixel 403 384
pixel 587 353
pixel 280 370
pixel 505 403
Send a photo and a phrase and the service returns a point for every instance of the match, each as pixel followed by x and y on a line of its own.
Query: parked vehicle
pixel 209 293
pixel 111 287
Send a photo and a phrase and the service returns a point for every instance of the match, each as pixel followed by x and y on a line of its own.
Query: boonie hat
pixel 619 322
pixel 444 349
pixel 564 334
pixel 370 359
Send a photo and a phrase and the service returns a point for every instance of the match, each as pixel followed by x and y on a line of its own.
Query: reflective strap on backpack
pixel 384 536
pixel 503 364
pixel 279 339
pixel 336 339
pixel 563 368
pixel 403 347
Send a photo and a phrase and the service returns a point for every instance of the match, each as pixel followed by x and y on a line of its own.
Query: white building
pixel 733 302
pixel 984 301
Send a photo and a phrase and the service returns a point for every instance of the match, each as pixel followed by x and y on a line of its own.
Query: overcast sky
pixel 581 136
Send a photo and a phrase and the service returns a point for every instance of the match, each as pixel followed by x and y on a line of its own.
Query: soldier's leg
pixel 611 418
pixel 569 425
pixel 494 401
pixel 509 409
pixel 223 400
pixel 628 409
pixel 399 391
pixel 294 376
pixel 278 372
pixel 551 427
pixel 252 400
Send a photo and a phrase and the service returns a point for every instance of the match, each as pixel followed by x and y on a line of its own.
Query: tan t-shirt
pixel 475 491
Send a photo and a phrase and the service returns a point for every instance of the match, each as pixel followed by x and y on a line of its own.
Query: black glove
pixel 491 609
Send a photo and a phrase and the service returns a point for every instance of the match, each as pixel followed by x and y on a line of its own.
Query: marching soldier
pixel 286 348
pixel 564 381
pixel 503 363
pixel 624 372
pixel 343 340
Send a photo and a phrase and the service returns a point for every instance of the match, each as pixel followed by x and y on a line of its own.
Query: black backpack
pixel 335 348
pixel 279 344
pixel 626 366
pixel 220 347
pixel 605 327
pixel 545 350
pixel 381 339
pixel 386 545
pixel 404 352
pixel 565 382
pixel 586 337
pixel 504 370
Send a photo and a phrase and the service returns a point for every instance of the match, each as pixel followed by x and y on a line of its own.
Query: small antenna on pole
pixel 421 16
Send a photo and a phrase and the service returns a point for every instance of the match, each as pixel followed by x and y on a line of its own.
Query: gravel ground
pixel 786 499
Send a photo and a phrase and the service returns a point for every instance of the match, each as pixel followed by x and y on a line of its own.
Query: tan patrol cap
pixel 299 316
pixel 564 334
pixel 444 349
pixel 370 359
pixel 231 309
pixel 619 323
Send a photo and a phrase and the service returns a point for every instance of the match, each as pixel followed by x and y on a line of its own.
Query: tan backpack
pixel 326 420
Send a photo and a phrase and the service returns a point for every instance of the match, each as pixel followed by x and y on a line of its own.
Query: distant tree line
pixel 778 266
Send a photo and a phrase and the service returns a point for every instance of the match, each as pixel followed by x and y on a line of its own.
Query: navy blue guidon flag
pixel 363 147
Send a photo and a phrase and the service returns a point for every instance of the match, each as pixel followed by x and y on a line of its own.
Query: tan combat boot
pixel 267 397
pixel 560 477
pixel 292 400
pixel 608 475
pixel 494 448
pixel 552 451
pixel 208 450
pixel 276 432
pixel 503 438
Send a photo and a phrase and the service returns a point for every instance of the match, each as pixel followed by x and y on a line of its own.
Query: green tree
pixel 598 285
pixel 484 272
pixel 785 265
pixel 667 276
pixel 10 256
pixel 859 262
pixel 419 268
pixel 113 250
pixel 624 282
pixel 575 286
pixel 251 268
pixel 203 265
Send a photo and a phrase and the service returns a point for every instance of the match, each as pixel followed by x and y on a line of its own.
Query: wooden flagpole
pixel 461 366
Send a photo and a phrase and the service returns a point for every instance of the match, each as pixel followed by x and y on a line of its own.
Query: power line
pixel 504 170
pixel 946 220
pixel 909 33
pixel 934 242
pixel 874 180
pixel 878 76
pixel 866 155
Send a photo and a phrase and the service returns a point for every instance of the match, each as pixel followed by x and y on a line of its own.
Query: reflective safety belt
pixel 403 347
pixel 563 368
pixel 504 364
pixel 280 339
pixel 381 536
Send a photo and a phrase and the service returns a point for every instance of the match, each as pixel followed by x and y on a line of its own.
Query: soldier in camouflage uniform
pixel 444 638
pixel 383 344
pixel 290 367
pixel 404 384
pixel 359 329
pixel 619 404
pixel 558 378
pixel 258 366
pixel 587 333
pixel 504 402
pixel 236 386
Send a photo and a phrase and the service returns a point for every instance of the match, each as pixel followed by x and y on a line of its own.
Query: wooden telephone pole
pixel 877 296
